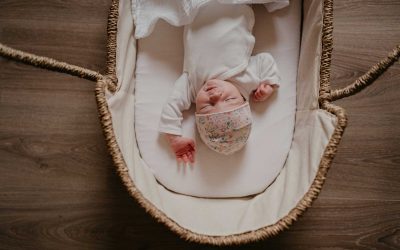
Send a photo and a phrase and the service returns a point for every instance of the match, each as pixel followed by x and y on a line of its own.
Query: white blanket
pixel 146 13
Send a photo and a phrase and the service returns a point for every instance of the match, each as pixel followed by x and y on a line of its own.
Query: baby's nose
pixel 215 96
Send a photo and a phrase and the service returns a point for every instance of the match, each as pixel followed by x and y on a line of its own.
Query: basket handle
pixel 59 66
pixel 48 63
pixel 368 78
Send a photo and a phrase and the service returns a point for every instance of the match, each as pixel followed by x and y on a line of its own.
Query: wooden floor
pixel 58 189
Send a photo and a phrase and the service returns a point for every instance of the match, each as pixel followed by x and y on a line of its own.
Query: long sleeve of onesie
pixel 179 100
pixel 261 69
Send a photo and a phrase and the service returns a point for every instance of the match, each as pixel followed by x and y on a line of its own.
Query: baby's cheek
pixel 198 100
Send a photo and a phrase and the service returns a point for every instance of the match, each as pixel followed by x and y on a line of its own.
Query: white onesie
pixel 217 45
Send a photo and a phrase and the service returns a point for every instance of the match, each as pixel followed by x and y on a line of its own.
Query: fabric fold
pixel 146 13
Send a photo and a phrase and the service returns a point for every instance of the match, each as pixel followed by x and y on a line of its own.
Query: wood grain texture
pixel 58 189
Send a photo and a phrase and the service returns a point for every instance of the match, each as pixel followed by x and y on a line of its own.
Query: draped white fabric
pixel 146 13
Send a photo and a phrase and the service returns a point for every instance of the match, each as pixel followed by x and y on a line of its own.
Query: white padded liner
pixel 250 171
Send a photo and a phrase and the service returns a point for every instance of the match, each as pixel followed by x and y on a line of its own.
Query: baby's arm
pixel 269 78
pixel 171 120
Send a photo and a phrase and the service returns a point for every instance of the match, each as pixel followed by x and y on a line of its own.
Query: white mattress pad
pixel 249 171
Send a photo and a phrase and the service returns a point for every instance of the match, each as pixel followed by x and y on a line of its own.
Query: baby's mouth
pixel 209 86
pixel 213 92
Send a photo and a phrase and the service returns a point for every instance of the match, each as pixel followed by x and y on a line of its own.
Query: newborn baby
pixel 219 76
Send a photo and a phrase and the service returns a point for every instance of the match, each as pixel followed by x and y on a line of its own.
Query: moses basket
pixel 319 127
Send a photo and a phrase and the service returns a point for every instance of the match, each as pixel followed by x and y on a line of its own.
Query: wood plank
pixel 109 220
pixel 72 31
pixel 367 165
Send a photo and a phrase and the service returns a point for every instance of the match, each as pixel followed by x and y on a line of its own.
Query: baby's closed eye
pixel 205 107
pixel 230 99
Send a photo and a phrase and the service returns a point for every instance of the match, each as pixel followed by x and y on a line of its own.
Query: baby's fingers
pixel 185 158
pixel 179 159
pixel 267 89
pixel 264 86
pixel 257 96
pixel 190 157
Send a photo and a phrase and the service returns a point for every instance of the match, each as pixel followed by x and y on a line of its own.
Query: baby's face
pixel 217 96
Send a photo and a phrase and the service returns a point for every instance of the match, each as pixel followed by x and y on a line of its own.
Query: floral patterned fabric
pixel 225 132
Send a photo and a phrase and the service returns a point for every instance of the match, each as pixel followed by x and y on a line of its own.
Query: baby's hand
pixel 184 148
pixel 263 92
